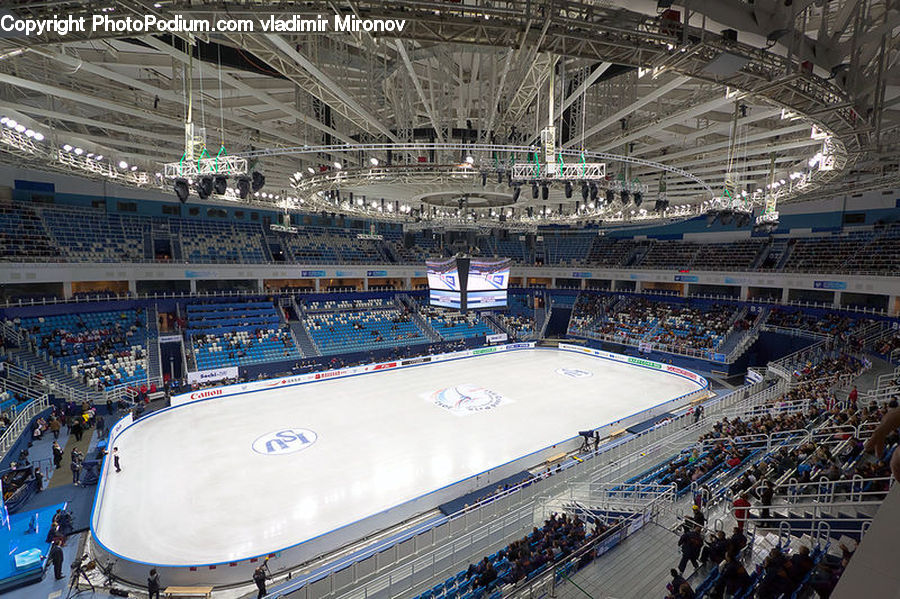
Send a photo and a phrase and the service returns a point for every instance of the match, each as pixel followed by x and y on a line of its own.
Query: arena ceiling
pixel 625 81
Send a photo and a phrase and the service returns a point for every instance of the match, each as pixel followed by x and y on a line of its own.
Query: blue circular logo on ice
pixel 466 398
pixel 575 373
pixel 285 441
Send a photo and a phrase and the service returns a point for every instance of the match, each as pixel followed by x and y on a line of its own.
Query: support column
pixel 193 283
pixel 745 292
pixel 785 294
pixel 260 286
pixel 365 283
pixel 407 282
pixel 837 299
pixel 132 287
pixel 67 289
pixel 318 287
pixel 893 305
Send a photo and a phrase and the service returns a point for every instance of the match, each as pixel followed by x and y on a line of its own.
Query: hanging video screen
pixel 487 284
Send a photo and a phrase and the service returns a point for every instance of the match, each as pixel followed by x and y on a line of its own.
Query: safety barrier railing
pixel 826 494
pixel 38 384
pixel 20 423
pixel 10 332
pixel 880 394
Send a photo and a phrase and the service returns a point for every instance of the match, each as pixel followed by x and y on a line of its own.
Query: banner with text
pixel 210 376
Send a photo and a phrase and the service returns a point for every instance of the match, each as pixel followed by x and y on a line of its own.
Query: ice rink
pixel 232 477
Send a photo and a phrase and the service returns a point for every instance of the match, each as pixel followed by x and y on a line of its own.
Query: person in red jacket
pixel 741 511
pixel 854 395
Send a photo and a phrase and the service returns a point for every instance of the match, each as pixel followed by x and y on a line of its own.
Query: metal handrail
pixel 17 426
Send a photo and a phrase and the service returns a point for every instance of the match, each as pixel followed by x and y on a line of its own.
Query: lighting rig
pixel 208 174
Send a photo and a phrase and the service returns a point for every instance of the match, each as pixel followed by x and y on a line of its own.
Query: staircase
pixel 637 255
pixel 302 338
pixel 494 323
pixel 785 255
pixel 746 340
pixel 417 318
pixel 149 254
pixel 762 255
pixel 61 382
pixel 541 319
pixel 388 250
pixel 154 366
pixel 734 335
pixel 652 550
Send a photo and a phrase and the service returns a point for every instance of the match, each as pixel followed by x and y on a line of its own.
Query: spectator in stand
pixel 697 516
pixel 889 423
pixel 715 549
pixel 733 578
pixel 765 496
pixel 691 543
pixel 741 510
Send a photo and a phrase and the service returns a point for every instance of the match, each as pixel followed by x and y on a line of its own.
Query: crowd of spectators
pixel 669 326
pixel 560 535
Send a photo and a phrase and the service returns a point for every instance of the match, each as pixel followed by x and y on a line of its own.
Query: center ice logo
pixel 466 399
pixel 575 373
pixel 284 441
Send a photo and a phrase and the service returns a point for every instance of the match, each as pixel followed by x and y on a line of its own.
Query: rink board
pixel 303 465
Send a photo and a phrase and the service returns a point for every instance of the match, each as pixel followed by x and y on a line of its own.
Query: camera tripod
pixel 79 571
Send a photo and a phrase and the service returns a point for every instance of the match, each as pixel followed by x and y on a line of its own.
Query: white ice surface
pixel 192 491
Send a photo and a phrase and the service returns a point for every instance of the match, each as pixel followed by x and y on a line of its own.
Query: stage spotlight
pixel 585 190
pixel 220 185
pixel 545 192
pixel 243 186
pixel 499 177
pixel 516 191
pixel 568 189
pixel 182 190
pixel 483 179
pixel 204 187
pixel 638 198
pixel 595 192
pixel 624 195
pixel 534 191
pixel 725 217
pixel 257 181
pixel 610 196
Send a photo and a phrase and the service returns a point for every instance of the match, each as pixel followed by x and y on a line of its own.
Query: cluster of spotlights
pixel 10 123
pixel 207 185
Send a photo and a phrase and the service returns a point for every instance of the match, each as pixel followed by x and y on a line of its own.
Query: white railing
pixel 10 332
pixel 19 424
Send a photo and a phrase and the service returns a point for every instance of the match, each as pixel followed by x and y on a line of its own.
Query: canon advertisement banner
pixel 208 376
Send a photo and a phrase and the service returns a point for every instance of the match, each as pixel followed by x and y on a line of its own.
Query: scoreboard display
pixel 462 283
